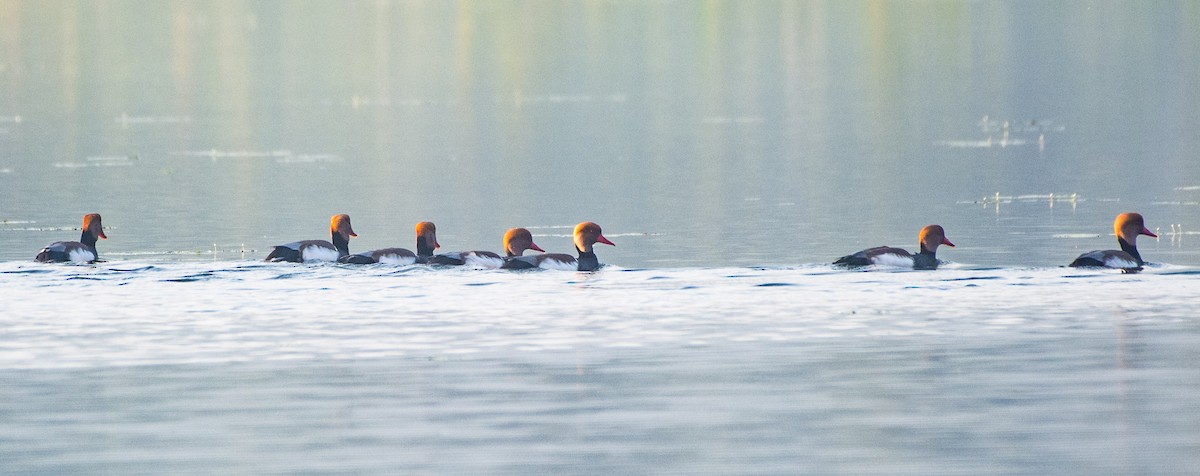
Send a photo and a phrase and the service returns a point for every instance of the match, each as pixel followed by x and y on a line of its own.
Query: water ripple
pixel 334 311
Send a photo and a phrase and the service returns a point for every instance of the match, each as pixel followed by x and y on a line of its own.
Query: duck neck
pixel 1131 249
pixel 932 253
pixel 342 244
pixel 587 260
pixel 424 247
pixel 88 239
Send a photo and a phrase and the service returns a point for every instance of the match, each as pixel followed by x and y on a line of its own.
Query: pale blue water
pixel 149 366
pixel 731 149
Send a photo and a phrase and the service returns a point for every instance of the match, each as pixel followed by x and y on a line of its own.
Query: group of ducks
pixel 516 241
pixel 1128 226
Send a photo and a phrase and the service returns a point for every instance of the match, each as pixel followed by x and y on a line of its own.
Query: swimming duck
pixel 1127 227
pixel 586 235
pixel 488 259
pixel 82 251
pixel 426 243
pixel 318 250
pixel 931 237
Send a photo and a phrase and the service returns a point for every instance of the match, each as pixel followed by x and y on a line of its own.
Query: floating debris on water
pixel 232 154
pixel 1177 229
pixel 99 161
pixel 238 252
pixel 110 159
pixel 1051 198
pixel 1048 197
pixel 307 159
pixel 980 144
pixel 1183 203
pixel 46 228
pixel 1176 234
pixel 988 125
pixel 1000 133
pixel 279 156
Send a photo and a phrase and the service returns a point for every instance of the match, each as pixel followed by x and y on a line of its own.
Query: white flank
pixel 397 259
pixel 894 260
pixel 318 253
pixel 82 255
pixel 1118 262
pixel 559 265
pixel 484 262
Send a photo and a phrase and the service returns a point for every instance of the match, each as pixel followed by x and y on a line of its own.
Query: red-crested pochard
pixel 82 251
pixel 318 250
pixel 426 243
pixel 1127 228
pixel 488 259
pixel 586 235
pixel 516 241
pixel 931 237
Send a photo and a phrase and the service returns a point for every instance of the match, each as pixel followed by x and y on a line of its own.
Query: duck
pixel 426 244
pixel 1127 227
pixel 318 250
pixel 930 238
pixel 479 259
pixel 82 251
pixel 516 241
pixel 397 256
pixel 586 234
pixel 427 241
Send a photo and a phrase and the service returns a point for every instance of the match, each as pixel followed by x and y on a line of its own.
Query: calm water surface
pixel 256 367
pixel 730 149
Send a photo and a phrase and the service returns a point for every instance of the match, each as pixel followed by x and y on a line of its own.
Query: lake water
pixel 252 367
pixel 730 149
